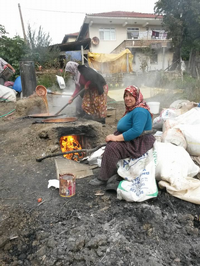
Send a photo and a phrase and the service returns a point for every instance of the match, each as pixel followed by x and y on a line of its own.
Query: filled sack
pixel 7 94
pixel 139 182
pixel 175 171
pixel 192 136
pixel 174 136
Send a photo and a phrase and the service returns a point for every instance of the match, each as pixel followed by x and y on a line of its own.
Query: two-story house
pixel 142 34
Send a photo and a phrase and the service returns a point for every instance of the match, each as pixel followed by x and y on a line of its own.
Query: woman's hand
pixel 112 137
pixel 13 70
pixel 86 87
pixel 70 100
pixel 8 65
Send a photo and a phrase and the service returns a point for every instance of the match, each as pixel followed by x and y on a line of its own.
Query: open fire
pixel 70 143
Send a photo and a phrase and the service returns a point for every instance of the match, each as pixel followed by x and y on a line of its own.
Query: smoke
pixel 59 100
pixel 147 82
pixel 69 86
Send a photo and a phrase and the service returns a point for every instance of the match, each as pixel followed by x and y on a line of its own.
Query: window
pixel 107 34
pixel 132 33
pixel 153 57
pixel 159 34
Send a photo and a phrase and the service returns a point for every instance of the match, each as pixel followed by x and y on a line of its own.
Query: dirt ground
pixel 91 228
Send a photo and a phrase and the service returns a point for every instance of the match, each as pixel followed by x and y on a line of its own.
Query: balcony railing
pixel 149 35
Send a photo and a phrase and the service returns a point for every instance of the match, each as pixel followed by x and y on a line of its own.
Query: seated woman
pixel 127 141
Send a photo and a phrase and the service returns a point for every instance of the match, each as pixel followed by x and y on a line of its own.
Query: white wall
pixel 107 46
pixel 121 35
pixel 71 39
pixel 158 66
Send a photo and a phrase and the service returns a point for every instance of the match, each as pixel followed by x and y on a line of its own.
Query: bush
pixel 189 85
pixel 47 80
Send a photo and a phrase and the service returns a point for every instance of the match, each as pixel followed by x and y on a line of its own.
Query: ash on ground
pixel 91 228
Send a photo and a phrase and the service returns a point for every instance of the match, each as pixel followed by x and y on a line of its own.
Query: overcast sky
pixel 60 17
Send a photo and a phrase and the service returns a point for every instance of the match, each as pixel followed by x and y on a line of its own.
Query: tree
pixel 2 31
pixel 38 39
pixel 12 50
pixel 40 51
pixel 181 19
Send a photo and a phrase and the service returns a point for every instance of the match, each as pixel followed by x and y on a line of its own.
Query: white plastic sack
pixel 7 94
pixel 175 171
pixel 188 123
pixel 173 161
pixel 139 174
pixel 174 136
pixel 61 82
pixel 158 122
pixel 167 124
pixel 158 135
pixel 95 157
pixel 192 117
pixel 188 106
pixel 192 136
pixel 169 113
pixel 164 115
pixel 178 104
pixel 183 105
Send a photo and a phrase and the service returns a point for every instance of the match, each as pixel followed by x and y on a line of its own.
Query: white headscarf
pixel 72 68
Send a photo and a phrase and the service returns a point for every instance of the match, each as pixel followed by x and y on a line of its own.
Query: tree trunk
pixel 176 60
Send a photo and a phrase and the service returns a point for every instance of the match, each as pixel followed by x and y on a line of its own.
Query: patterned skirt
pixel 115 151
pixel 95 104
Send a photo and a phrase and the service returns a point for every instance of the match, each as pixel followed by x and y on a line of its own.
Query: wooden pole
pixel 127 63
pixel 20 13
pixel 82 54
pixel 163 59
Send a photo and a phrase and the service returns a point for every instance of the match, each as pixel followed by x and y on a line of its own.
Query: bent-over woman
pixel 94 99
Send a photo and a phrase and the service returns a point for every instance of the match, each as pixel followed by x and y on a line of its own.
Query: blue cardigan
pixel 134 123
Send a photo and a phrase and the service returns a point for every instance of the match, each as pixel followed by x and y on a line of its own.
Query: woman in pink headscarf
pixel 127 141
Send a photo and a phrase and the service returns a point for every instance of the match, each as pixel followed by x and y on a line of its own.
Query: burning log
pixel 87 151
pixel 71 143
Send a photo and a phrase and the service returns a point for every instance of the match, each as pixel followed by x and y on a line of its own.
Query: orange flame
pixel 70 143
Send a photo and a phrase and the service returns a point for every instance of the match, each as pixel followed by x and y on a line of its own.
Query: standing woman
pixel 94 98
pixel 127 141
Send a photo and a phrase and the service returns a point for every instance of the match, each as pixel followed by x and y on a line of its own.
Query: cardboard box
pixel 65 166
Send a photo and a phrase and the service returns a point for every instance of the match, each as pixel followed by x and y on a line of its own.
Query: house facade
pixel 71 37
pixel 142 34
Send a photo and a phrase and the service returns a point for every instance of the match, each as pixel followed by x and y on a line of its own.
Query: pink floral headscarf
pixel 72 68
pixel 133 90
